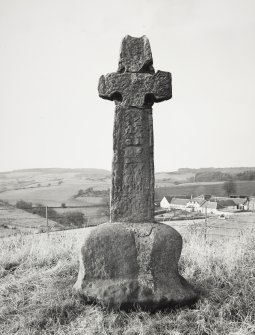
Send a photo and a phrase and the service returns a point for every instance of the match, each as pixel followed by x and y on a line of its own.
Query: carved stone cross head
pixel 135 84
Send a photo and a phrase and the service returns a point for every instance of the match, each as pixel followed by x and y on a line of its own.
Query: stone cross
pixel 134 88
pixel 132 260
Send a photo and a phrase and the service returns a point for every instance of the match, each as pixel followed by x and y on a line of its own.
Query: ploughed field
pixel 37 275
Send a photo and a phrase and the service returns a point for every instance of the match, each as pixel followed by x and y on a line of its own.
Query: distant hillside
pixel 87 171
pixel 242 188
pixel 54 186
pixel 50 186
pixel 187 175
pixel 230 170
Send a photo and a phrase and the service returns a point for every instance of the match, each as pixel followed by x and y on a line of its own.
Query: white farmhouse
pixel 194 205
pixel 179 203
pixel 218 206
pixel 165 202
pixel 209 207
pixel 251 204
pixel 169 202
pixel 225 203
pixel 241 203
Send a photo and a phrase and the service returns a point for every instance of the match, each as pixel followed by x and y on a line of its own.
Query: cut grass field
pixel 37 274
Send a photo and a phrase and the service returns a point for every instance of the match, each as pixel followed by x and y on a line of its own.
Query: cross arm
pixel 162 86
pixel 112 86
pixel 135 89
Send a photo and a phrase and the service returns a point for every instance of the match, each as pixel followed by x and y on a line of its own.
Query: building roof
pixel 198 200
pixel 179 201
pixel 239 201
pixel 224 201
pixel 168 198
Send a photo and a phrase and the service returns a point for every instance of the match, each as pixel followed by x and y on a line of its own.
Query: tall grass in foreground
pixel 37 274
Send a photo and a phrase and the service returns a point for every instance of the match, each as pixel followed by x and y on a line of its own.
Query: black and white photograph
pixel 127 174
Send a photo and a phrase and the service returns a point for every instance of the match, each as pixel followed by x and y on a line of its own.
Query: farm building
pixel 217 205
pixel 165 202
pixel 170 202
pixel 194 204
pixel 179 203
pixel 199 204
pixel 209 207
pixel 251 205
pixel 202 197
pixel 226 203
pixel 241 203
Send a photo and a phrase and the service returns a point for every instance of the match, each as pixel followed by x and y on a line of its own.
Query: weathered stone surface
pixel 124 265
pixel 132 199
pixel 134 88
pixel 133 261
pixel 135 55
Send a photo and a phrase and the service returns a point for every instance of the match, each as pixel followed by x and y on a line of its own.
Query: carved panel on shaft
pixel 132 192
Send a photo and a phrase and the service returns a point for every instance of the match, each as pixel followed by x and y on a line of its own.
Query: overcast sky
pixel 52 53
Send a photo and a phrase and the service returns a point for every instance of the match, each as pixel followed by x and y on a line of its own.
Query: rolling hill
pixel 51 186
pixel 214 188
pixel 54 186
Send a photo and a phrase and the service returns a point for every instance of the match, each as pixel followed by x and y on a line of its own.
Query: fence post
pixel 205 222
pixel 47 220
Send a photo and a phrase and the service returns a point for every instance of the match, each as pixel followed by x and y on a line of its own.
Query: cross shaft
pixel 134 89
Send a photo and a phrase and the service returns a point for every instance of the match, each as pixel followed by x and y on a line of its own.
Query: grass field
pixel 55 186
pixel 217 228
pixel 37 275
pixel 32 178
pixel 16 221
pixel 242 188
pixel 51 186
pixel 53 195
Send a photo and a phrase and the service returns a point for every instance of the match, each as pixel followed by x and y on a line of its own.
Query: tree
pixel 74 218
pixel 21 204
pixel 229 187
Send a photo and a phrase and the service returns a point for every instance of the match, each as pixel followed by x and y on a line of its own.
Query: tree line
pixel 90 192
pixel 222 176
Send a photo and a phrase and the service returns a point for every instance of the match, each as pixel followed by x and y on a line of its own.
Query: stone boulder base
pixel 124 265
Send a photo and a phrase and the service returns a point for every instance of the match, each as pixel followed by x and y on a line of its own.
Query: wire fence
pixel 48 219
pixel 226 230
